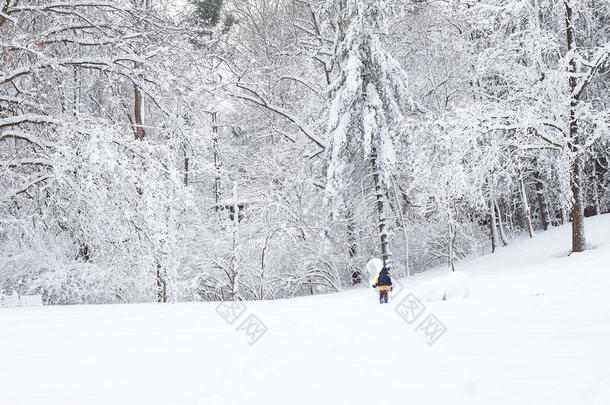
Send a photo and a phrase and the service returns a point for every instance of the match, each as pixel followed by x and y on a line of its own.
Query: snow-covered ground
pixel 534 329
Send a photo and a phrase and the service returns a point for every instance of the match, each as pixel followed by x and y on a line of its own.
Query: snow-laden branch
pixel 546 139
pixel 8 17
pixel 74 27
pixel 113 65
pixel 261 101
pixel 6 135
pixel 600 60
pixel 26 162
pixel 21 101
pixel 27 118
pixel 90 63
pixel 65 6
pixel 24 188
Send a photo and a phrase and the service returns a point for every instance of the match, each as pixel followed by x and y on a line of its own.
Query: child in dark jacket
pixel 384 285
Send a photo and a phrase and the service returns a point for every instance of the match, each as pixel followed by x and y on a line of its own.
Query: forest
pixel 210 150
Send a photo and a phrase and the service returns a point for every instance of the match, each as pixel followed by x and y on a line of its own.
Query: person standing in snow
pixel 384 285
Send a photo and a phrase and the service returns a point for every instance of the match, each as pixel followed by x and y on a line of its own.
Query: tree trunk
pixel 578 219
pixel 379 196
pixel 351 244
pixel 234 265
pixel 351 237
pixel 161 284
pixel 77 92
pixel 595 184
pixel 564 215
pixel 137 106
pixel 138 103
pixel 452 229
pixel 261 291
pixel 493 225
pixel 577 215
pixel 526 208
pixel 403 224
pixel 186 168
pixel 501 226
pixel 216 161
pixel 540 193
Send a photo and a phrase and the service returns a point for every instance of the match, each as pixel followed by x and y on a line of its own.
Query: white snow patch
pixel 533 330
pixel 454 285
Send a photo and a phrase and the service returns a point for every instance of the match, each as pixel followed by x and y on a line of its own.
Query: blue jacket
pixel 384 278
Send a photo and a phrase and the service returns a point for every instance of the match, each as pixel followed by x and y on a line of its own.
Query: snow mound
pixel 373 267
pixel 454 285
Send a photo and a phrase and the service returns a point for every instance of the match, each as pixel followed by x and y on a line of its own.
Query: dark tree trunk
pixel 186 169
pixel 579 243
pixel 161 285
pixel 540 193
pixel 577 214
pixel 379 196
pixel 595 183
pixel 493 226
pixel 216 161
pixel 491 231
pixel 351 237
pixel 351 244
pixel 234 262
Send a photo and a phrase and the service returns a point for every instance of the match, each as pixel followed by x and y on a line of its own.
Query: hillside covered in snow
pixel 526 325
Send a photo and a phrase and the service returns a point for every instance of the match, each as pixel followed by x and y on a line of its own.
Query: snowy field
pixel 534 329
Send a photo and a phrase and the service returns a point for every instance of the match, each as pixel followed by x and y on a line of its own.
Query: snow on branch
pixel 261 101
pixel 24 137
pixel 88 63
pixel 600 60
pixel 14 163
pixel 27 118
pixel 65 7
pixel 22 189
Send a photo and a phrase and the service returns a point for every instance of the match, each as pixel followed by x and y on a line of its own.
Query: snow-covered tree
pixel 369 106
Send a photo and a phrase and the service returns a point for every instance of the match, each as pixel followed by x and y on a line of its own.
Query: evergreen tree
pixel 368 102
